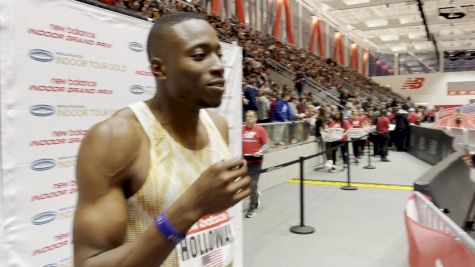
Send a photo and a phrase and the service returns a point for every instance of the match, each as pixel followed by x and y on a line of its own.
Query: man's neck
pixel 250 125
pixel 174 116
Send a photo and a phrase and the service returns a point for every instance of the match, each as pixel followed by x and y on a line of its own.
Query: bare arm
pixel 104 161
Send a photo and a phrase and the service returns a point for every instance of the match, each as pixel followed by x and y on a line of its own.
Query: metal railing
pixel 325 94
pixel 432 217
pixel 284 134
pixel 363 92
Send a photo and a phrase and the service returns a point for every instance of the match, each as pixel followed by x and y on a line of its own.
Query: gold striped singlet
pixel 173 168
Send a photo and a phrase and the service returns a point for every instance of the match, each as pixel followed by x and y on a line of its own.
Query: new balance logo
pixel 413 83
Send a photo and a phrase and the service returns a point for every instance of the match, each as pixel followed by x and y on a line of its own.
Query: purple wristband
pixel 166 228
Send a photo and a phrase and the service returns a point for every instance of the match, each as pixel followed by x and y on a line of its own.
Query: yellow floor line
pixel 376 186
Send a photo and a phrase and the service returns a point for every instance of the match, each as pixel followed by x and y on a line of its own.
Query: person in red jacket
pixel 254 144
pixel 339 122
pixel 382 126
pixel 358 121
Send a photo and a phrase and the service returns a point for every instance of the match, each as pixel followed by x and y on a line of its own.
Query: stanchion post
pixel 348 176
pixel 302 228
pixel 369 166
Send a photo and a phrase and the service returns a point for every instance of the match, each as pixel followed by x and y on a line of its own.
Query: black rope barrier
pixel 301 228
pixel 348 185
pixel 369 166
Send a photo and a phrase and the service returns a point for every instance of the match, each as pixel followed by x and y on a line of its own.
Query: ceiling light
pixel 389 37
pixel 376 22
pixel 415 35
pixel 409 19
pixel 421 46
pixel 397 48
pixel 355 2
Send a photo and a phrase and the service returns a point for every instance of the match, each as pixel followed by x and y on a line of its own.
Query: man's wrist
pixel 182 215
pixel 167 229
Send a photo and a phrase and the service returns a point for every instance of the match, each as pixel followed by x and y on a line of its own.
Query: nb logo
pixel 136 47
pixel 414 83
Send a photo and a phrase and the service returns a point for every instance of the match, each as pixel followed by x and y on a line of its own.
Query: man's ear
pixel 158 68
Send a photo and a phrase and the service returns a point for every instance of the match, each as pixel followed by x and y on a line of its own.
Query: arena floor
pixel 362 228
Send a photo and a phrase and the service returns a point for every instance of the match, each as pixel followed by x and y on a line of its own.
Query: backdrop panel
pixel 66 66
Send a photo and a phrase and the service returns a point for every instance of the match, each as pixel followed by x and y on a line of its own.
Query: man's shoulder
pixel 215 117
pixel 257 127
pixel 261 129
pixel 112 145
pixel 220 123
pixel 122 129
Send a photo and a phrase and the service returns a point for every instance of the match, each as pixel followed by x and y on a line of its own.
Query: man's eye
pixel 199 56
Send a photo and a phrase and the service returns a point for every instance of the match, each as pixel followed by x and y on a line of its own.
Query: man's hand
pixel 467 158
pixel 218 188
pixel 258 154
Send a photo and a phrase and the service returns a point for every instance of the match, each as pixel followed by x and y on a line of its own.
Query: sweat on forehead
pixel 161 30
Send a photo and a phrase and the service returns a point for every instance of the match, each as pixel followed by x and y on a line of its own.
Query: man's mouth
pixel 216 83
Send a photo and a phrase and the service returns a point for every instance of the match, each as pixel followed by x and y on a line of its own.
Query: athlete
pixel 154 169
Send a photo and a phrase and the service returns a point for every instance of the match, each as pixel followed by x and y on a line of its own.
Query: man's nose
pixel 217 69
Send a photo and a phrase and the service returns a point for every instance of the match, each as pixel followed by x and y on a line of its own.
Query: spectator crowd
pixel 358 96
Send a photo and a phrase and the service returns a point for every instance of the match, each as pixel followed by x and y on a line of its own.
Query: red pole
pixel 276 31
pixel 312 37
pixel 288 23
pixel 336 38
pixel 216 7
pixel 342 55
pixel 365 62
pixel 240 12
pixel 321 49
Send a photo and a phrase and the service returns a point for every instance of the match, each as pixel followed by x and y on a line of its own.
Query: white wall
pixel 434 89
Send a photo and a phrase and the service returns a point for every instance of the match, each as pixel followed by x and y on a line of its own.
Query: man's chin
pixel 210 104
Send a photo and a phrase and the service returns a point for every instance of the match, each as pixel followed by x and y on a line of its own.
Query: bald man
pixel 149 173
pixel 254 144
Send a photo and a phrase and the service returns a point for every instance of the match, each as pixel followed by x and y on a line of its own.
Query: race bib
pixel 209 242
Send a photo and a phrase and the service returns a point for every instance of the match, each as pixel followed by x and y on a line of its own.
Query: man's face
pixel 193 66
pixel 251 118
